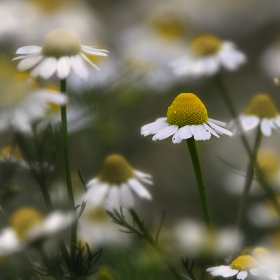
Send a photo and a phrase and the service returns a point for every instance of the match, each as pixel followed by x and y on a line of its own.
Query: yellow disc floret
pixel 206 44
pixel 244 262
pixel 186 109
pixel 261 105
pixel 116 170
pixel 24 219
pixel 61 42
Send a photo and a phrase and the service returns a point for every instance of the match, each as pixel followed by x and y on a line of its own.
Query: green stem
pixel 67 166
pixel 249 179
pixel 152 241
pixel 200 182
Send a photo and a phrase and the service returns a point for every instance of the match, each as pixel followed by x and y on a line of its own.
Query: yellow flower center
pixel 244 262
pixel 61 42
pixel 261 105
pixel 260 253
pixel 169 25
pixel 187 109
pixel 116 170
pixel 206 44
pixel 11 151
pixel 49 5
pixel 97 214
pixel 25 219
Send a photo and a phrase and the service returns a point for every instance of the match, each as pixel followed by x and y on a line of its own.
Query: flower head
pixel 186 117
pixel 240 267
pixel 262 111
pixel 116 182
pixel 61 51
pixel 207 54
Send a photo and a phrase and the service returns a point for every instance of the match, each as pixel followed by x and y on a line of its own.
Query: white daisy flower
pixel 28 226
pixel 22 103
pixel 116 183
pixel 61 52
pixel 261 111
pixel 207 55
pixel 186 117
pixel 241 267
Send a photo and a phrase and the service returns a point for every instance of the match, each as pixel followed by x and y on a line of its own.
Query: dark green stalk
pixel 200 182
pixel 67 167
pixel 249 179
pixel 152 241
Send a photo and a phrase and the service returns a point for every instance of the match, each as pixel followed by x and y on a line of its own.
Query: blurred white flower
pixel 186 117
pixel 207 55
pixel 27 226
pixel 61 52
pixel 116 182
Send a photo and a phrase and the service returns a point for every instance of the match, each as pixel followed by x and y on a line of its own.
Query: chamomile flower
pixel 261 111
pixel 186 117
pixel 28 225
pixel 116 182
pixel 207 55
pixel 61 52
pixel 241 267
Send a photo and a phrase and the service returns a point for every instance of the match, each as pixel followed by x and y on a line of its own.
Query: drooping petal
pixel 165 132
pixel 220 129
pixel 48 67
pixel 242 275
pixel 126 197
pixel 96 194
pixel 29 62
pixel 113 200
pixel 90 62
pixel 210 130
pixel 200 133
pixel 249 122
pixel 139 189
pixel 79 67
pixel 63 67
pixel 176 139
pixel 29 50
pixel 154 127
pixel 185 132
pixel 266 127
pixel 143 177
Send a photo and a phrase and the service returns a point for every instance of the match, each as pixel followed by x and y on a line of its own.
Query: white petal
pixel 96 194
pixel 113 200
pixel 50 96
pixel 79 67
pixel 139 189
pixel 255 271
pixel 143 177
pixel 249 122
pixel 229 272
pixel 29 62
pixel 210 65
pixel 217 122
pixel 266 127
pixel 29 50
pixel 185 132
pixel 242 275
pixel 165 132
pixel 48 67
pixel 90 62
pixel 200 133
pixel 220 129
pixel 63 67
pixel 210 130
pixel 94 50
pixel 176 139
pixel 126 196
pixel 154 127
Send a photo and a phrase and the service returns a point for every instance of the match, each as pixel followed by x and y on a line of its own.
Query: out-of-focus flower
pixel 116 182
pixel 207 55
pixel 28 225
pixel 195 239
pixel 148 47
pixel 261 111
pixel 61 52
pixel 268 161
pixel 22 102
pixel 186 117
pixel 241 267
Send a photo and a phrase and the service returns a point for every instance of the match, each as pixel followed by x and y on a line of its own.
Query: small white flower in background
pixel 261 111
pixel 22 102
pixel 207 55
pixel 186 117
pixel 241 267
pixel 116 183
pixel 28 225
pixel 61 52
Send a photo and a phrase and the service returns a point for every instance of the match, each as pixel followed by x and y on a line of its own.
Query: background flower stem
pixel 200 182
pixel 67 166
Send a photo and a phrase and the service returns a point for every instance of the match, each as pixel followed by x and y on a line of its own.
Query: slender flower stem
pixel 67 166
pixel 152 241
pixel 249 179
pixel 261 177
pixel 200 182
